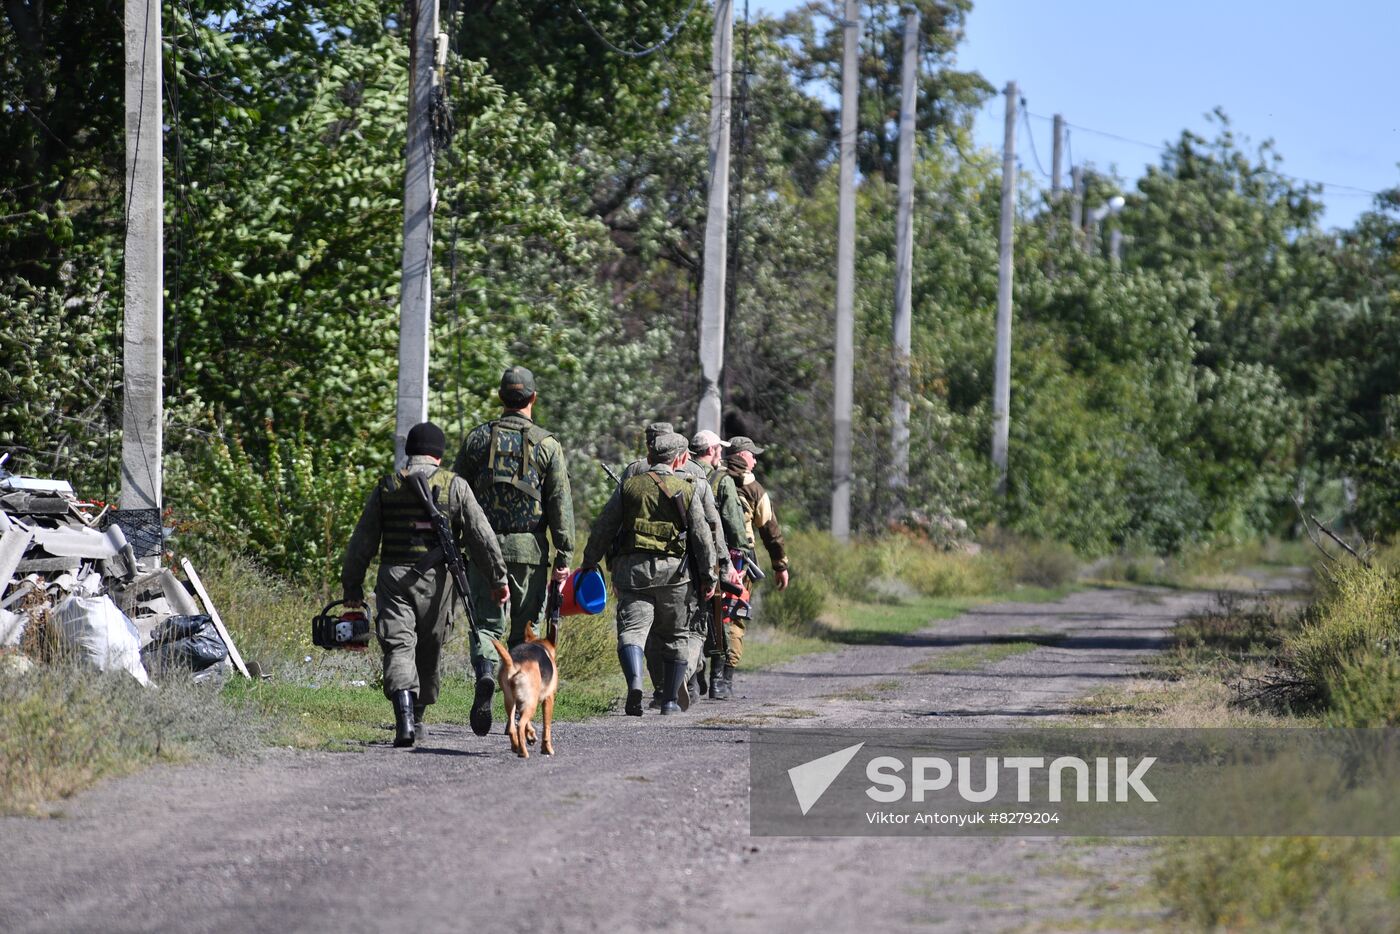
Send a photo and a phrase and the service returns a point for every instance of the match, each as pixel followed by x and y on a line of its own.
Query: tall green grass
pixel 898 568
pixel 63 726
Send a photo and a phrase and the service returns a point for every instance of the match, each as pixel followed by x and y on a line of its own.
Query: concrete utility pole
pixel 1001 389
pixel 843 377
pixel 416 290
pixel 1057 160
pixel 142 325
pixel 1076 204
pixel 710 412
pixel 904 262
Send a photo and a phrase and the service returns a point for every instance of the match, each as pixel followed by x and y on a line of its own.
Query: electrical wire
pixel 666 36
pixel 1026 121
pixel 1161 148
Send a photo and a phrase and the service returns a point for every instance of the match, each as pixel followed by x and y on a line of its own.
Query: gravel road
pixel 636 825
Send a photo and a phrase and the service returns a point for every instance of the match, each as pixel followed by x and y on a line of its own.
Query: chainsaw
pixel 347 630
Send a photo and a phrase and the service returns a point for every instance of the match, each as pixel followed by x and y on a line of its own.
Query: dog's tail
pixel 507 663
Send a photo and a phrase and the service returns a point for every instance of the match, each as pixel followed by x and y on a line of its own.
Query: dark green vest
pixel 650 522
pixel 406 534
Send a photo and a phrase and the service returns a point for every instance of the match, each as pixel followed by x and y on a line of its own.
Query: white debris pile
pixel 66 565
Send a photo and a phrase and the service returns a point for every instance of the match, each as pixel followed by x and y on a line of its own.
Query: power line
pixel 1159 147
pixel 666 36
pixel 1025 119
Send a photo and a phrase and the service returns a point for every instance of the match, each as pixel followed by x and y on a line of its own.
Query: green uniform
pixel 694 474
pixel 651 572
pixel 415 595
pixel 517 471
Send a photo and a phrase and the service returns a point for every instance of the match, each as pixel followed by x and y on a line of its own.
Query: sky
pixel 1316 78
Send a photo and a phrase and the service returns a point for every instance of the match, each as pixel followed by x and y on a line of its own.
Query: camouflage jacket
pixel 468 522
pixel 556 497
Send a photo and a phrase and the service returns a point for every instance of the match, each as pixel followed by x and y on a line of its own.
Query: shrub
pixel 1289 883
pixel 291 509
pixel 1366 693
pixel 797 607
pixel 1356 616
pixel 1038 563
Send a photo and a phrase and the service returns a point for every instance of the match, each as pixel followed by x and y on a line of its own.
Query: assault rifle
pixel 612 474
pixel 447 544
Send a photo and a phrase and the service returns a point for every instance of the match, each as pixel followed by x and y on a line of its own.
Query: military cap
pixel 704 440
pixel 517 385
pixel 667 446
pixel 740 443
pixel 656 430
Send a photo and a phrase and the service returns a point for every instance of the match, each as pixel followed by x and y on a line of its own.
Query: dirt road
pixel 636 825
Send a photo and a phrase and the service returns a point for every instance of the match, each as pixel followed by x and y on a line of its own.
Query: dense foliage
pixel 1237 356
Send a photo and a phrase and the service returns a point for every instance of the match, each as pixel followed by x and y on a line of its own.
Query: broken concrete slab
pixel 13 544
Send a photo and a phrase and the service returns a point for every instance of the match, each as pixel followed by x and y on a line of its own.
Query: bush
pixel 1356 617
pixel 1289 883
pixel 796 608
pixel 291 508
pixel 587 646
pixel 1366 693
pixel 1037 563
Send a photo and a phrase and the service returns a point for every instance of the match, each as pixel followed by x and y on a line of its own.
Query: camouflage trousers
pixel 529 586
pixel 664 611
pixel 412 621
pixel 694 648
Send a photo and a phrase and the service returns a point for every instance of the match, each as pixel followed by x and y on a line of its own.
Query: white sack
pixel 102 634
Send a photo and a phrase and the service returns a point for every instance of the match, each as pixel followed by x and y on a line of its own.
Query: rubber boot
pixel 720 687
pixel 655 700
pixel 481 702
pixel 403 718
pixel 690 690
pixel 633 662
pixel 675 686
pixel 702 684
pixel 418 711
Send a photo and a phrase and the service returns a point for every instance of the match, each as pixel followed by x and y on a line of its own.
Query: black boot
pixel 655 700
pixel 675 685
pixel 693 690
pixel 633 661
pixel 481 702
pixel 702 683
pixel 418 711
pixel 403 718
pixel 720 685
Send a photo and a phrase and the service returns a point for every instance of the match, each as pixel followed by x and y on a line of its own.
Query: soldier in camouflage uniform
pixel 414 591
pixel 664 553
pixel 759 518
pixel 517 471
pixel 707 452
pixel 695 654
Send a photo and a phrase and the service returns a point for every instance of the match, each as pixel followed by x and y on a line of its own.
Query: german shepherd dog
pixel 528 678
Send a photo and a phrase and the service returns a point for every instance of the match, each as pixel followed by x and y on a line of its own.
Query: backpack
pixel 512 495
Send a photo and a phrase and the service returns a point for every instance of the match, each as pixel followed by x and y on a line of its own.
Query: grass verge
pixel 1253 663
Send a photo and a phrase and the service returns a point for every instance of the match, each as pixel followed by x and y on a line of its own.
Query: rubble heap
pixel 65 560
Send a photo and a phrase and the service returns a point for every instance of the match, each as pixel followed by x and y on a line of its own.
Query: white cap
pixel 704 440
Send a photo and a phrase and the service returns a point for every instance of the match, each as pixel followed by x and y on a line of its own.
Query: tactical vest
pixel 713 477
pixel 406 533
pixel 649 519
pixel 510 487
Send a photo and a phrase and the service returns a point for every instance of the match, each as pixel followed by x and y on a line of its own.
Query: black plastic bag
pixel 189 642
